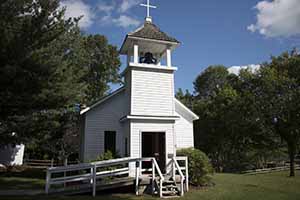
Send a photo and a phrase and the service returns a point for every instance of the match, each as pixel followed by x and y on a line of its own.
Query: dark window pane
pixel 110 141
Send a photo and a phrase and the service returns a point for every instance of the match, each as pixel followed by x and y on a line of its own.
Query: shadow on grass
pixel 25 173
pixel 124 193
pixel 16 183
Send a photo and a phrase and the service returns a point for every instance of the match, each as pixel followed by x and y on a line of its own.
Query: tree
pixel 229 129
pixel 278 88
pixel 47 65
pixel 210 81
pixel 186 98
pixel 26 27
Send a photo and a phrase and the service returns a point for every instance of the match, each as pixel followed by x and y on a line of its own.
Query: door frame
pixel 154 132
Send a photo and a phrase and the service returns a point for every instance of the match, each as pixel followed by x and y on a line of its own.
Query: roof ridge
pixel 151 31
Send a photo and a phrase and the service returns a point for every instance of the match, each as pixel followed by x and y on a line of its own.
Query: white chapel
pixel 142 118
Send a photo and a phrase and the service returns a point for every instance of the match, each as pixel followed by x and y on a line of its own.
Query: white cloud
pixel 108 12
pixel 236 69
pixel 277 18
pixel 127 4
pixel 105 7
pixel 115 13
pixel 125 21
pixel 77 8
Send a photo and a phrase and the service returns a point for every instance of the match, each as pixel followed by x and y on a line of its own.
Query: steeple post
pixel 128 58
pixel 169 58
pixel 135 53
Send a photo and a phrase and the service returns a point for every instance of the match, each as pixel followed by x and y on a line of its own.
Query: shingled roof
pixel 151 31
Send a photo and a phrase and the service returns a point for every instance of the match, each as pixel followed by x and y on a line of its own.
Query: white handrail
pixel 158 169
pixel 181 175
pixel 154 163
pixel 186 169
pixel 92 175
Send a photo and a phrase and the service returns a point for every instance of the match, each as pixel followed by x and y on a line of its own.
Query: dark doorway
pixel 154 145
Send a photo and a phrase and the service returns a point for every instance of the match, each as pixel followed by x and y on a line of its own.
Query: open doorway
pixel 154 145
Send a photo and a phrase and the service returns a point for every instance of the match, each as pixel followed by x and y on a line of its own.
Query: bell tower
pixel 149 75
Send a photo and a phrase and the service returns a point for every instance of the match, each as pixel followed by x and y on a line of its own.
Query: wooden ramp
pixel 117 173
pixel 88 188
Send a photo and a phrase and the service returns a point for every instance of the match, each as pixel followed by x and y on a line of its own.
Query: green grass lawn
pixel 271 186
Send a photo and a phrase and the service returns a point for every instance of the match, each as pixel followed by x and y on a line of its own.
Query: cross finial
pixel 148 18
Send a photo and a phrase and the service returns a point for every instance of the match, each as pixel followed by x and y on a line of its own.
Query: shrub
pixel 105 156
pixel 200 169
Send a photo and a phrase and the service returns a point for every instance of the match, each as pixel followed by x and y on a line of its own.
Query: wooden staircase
pixel 170 189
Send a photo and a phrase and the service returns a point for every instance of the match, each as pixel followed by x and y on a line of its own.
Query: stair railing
pixel 155 168
pixel 177 167
pixel 184 169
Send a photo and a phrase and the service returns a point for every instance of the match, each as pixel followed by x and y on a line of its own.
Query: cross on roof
pixel 148 8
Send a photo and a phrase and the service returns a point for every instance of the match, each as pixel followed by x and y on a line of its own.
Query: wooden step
pixel 170 193
pixel 170 187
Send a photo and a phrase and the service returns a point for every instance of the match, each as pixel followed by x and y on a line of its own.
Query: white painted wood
pixel 187 174
pixel 153 177
pixel 47 186
pixel 94 180
pixel 137 178
pixel 92 176
pixel 169 58
pixel 139 126
pixel 161 177
pixel 12 155
pixel 104 117
pixel 136 53
pixel 177 167
pixel 152 92
pixel 184 127
pixel 128 59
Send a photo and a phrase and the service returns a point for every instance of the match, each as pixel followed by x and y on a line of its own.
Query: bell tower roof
pixel 151 31
pixel 148 32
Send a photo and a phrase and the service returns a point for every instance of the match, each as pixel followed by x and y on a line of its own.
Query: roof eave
pixel 195 117
pixel 123 51
pixel 104 99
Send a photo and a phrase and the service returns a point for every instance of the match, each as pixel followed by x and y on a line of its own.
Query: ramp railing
pixel 88 173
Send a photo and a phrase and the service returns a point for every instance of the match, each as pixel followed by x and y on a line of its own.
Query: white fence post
pixel 187 174
pixel 137 163
pixel 48 176
pixel 160 188
pixel 65 173
pixel 173 170
pixel 153 177
pixel 94 180
pixel 181 187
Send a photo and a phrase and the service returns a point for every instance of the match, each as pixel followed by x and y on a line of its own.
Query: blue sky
pixel 231 32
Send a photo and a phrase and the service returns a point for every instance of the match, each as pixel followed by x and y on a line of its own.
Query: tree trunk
pixel 292 151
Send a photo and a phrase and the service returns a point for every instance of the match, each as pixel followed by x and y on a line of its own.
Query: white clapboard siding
pixel 104 117
pixel 152 92
pixel 139 126
pixel 184 128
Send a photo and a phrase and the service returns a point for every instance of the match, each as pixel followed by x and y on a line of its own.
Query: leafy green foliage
pixel 200 169
pixel 47 65
pixel 246 120
pixel 106 156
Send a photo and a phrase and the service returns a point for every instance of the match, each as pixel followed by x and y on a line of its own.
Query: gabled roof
pixel 104 99
pixel 151 31
pixel 187 110
pixel 108 97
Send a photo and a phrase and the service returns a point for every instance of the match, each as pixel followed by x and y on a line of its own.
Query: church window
pixel 110 141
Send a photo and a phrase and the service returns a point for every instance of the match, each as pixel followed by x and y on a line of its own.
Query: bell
pixel 148 59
